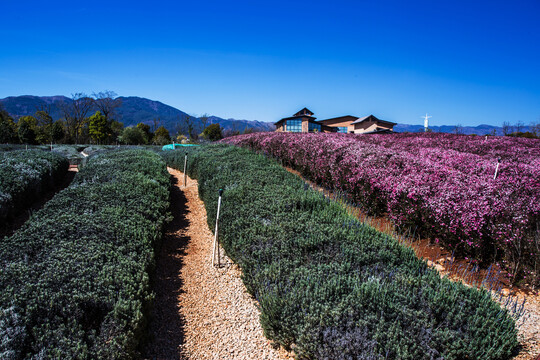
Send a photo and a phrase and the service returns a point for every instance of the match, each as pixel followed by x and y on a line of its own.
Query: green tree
pixel 146 128
pixel 26 129
pixel 44 126
pixel 133 136
pixel 98 127
pixel 116 130
pixel 57 131
pixel 161 136
pixel 7 128
pixel 213 132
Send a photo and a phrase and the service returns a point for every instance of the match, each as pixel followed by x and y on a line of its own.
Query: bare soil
pixel 200 311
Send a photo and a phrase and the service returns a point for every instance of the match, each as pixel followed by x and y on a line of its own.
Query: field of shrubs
pixel 25 176
pixel 329 286
pixel 75 278
pixel 440 186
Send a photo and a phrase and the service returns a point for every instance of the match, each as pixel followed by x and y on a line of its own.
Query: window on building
pixel 294 125
pixel 314 127
pixel 342 129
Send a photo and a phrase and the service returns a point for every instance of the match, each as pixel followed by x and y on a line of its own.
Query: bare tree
pixel 519 126
pixel 107 102
pixel 458 129
pixel 186 125
pixel 204 119
pixel 535 128
pixel 155 124
pixel 75 113
pixel 506 128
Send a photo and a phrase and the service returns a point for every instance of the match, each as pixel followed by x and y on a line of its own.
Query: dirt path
pixel 201 312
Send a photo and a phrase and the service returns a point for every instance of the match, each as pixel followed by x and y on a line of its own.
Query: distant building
pixel 365 125
pixel 303 121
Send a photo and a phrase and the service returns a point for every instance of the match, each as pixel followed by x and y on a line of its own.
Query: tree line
pixel 95 119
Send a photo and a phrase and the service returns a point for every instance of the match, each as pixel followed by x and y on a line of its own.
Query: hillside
pixel 132 111
pixel 137 109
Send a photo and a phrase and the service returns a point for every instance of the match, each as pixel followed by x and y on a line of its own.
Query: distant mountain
pixel 134 110
pixel 467 130
pixel 18 106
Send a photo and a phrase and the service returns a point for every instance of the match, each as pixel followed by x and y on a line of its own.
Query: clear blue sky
pixel 463 62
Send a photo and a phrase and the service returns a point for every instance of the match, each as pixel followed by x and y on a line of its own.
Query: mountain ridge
pixel 135 109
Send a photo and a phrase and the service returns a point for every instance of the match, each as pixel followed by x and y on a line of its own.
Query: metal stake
pixel 185 165
pixel 496 169
pixel 216 242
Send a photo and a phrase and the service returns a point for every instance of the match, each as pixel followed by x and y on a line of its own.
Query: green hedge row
pixel 25 176
pixel 74 279
pixel 329 286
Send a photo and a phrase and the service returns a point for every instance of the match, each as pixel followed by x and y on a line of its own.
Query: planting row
pixel 74 278
pixel 329 286
pixel 514 149
pixel 441 192
pixel 25 176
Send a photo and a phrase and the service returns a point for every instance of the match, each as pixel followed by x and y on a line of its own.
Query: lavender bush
pixel 441 185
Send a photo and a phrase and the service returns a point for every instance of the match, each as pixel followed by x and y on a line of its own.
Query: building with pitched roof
pixel 365 125
pixel 304 121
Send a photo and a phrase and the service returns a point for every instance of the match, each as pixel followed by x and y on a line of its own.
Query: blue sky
pixel 463 62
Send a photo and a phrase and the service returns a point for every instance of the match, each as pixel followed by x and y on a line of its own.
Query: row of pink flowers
pixel 442 185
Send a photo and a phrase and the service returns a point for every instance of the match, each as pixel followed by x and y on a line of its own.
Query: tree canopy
pixel 213 132
pixel 98 127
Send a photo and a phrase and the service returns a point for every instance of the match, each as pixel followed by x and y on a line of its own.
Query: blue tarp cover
pixel 175 146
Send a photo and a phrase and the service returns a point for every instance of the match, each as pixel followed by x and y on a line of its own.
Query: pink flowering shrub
pixel 440 185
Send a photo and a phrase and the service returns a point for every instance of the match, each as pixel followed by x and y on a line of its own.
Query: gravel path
pixel 201 312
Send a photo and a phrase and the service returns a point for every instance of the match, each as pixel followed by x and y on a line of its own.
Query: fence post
pixel 216 242
pixel 497 168
pixel 185 168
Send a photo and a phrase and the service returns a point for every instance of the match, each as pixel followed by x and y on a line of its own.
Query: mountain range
pixel 135 110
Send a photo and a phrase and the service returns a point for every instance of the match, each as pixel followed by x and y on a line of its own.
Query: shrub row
pixel 441 185
pixel 74 279
pixel 329 286
pixel 25 176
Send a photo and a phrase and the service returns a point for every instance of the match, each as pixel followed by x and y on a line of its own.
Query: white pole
pixel 496 169
pixel 185 168
pixel 216 242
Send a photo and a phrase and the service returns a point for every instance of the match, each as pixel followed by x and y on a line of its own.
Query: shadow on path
pixel 166 329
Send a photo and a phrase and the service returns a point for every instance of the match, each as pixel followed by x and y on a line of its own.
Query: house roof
pixel 339 118
pixel 304 112
pixel 372 118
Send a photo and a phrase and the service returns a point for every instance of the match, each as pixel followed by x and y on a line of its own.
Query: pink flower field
pixel 441 186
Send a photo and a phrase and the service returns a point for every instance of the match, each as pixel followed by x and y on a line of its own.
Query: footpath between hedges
pixel 201 312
